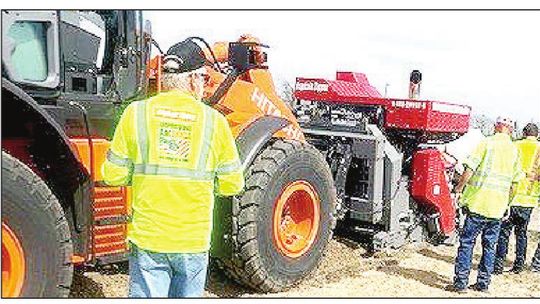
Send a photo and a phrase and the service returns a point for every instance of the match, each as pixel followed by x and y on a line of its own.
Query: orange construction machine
pixel 68 75
pixel 66 78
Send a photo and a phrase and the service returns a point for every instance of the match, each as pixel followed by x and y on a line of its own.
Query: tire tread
pixel 245 266
pixel 22 175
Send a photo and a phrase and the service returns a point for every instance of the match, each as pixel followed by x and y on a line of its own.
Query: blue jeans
pixel 536 259
pixel 519 220
pixel 474 225
pixel 162 275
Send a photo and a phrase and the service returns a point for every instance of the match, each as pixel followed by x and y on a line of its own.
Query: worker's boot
pixel 478 288
pixel 517 270
pixel 519 265
pixel 453 288
pixel 499 266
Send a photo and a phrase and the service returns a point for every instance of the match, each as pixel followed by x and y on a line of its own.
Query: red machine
pixel 403 114
pixel 430 186
pixel 391 180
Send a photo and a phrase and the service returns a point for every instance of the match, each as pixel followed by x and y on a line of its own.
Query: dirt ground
pixel 347 270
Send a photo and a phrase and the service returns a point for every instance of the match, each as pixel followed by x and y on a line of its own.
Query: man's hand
pixel 513 190
pixel 506 216
pixel 457 204
pixel 532 176
pixel 462 182
pixel 457 197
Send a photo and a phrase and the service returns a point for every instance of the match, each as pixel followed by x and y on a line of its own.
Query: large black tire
pixel 256 260
pixel 36 218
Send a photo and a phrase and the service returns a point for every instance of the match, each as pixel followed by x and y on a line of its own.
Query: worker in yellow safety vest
pixel 491 171
pixel 525 199
pixel 535 176
pixel 176 153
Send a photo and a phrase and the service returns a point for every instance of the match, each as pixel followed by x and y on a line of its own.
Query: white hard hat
pixel 504 120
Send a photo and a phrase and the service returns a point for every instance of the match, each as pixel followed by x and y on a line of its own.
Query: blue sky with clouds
pixel 489 60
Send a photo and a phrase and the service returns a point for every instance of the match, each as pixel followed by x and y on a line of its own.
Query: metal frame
pixel 82 198
pixel 387 213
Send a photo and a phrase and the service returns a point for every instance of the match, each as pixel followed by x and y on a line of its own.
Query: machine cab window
pixel 30 48
pixel 29 56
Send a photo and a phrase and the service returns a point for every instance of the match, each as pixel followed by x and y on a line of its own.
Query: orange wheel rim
pixel 296 219
pixel 13 264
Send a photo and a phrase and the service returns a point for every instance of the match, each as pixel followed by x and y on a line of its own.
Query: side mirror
pixel 148 27
pixel 244 56
pixel 147 34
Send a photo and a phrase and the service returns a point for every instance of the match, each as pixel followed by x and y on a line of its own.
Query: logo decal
pixel 174 142
pixel 269 108
pixel 311 86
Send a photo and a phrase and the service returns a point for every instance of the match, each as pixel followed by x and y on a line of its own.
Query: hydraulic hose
pixel 84 113
pixel 209 49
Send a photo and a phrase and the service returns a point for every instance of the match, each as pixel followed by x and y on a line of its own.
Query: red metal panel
pixel 446 117
pixel 351 83
pixel 429 186
pixel 405 114
pixel 110 239
pixel 110 202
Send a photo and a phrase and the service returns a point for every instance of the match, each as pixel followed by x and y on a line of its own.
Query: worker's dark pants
pixel 474 225
pixel 536 259
pixel 519 220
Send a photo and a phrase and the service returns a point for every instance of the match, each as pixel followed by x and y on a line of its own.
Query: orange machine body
pixel 110 205
pixel 251 96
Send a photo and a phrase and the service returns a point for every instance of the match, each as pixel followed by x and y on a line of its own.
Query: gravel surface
pixel 348 270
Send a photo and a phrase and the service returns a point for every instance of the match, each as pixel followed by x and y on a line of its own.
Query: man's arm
pixel 118 166
pixel 534 174
pixel 471 164
pixel 463 180
pixel 229 172
pixel 517 175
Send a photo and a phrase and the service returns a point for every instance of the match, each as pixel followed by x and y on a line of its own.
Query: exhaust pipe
pixel 415 81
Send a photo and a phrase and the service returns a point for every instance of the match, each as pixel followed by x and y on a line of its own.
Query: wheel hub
pixel 13 264
pixel 296 219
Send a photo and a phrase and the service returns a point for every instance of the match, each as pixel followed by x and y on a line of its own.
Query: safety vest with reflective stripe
pixel 175 152
pixel 528 190
pixel 496 165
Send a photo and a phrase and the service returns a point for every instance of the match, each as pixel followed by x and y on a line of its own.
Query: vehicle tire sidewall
pixel 307 166
pixel 34 226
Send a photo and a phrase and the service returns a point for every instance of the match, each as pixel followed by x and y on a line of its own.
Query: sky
pixel 489 60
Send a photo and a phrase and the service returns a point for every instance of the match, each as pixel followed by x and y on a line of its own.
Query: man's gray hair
pixel 175 81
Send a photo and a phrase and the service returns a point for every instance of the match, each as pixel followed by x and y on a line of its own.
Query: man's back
pixel 495 163
pixel 178 148
pixel 528 190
